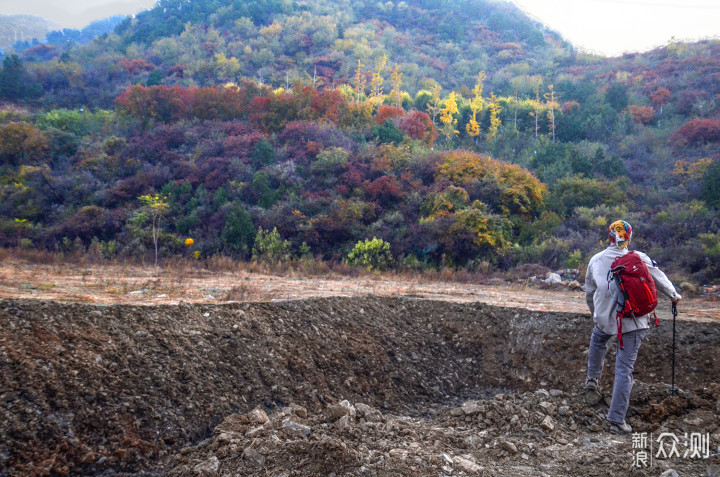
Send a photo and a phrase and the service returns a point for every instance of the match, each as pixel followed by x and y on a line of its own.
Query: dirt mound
pixel 525 434
pixel 108 389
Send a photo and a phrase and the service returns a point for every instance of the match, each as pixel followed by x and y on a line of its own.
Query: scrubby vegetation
pixel 279 130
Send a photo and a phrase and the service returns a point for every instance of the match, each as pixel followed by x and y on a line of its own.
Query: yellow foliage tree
pixel 476 105
pixel 448 201
pixel 360 81
pixel 434 106
pixel 396 84
pixel 494 117
pixel 461 167
pixel 447 117
pixel 473 127
pixel 536 104
pixel 489 230
pixel 517 190
pixel 552 105
pixel 685 170
pixel 376 83
pixel 154 206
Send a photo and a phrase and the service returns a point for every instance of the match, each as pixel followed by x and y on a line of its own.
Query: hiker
pixel 601 296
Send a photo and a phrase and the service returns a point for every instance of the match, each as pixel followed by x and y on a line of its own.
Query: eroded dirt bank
pixel 93 389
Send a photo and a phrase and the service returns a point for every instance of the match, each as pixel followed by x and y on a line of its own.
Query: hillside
pixel 479 141
pixel 14 28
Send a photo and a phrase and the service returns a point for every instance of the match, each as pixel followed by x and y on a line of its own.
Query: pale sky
pixel 614 27
pixel 608 27
pixel 75 13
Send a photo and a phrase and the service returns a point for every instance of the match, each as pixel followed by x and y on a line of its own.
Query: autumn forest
pixel 417 135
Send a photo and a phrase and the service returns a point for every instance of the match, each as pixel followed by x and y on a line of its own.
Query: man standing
pixel 601 297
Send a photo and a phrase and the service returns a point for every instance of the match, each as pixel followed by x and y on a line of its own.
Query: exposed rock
pixel 257 416
pixel 471 408
pixel 253 457
pixel 689 288
pixel 344 422
pixel 574 285
pixel 297 427
pixel 467 465
pixel 351 411
pixel 336 411
pixel 300 411
pixel 369 413
pixel 233 423
pixel 209 468
pixel 548 423
pixel 553 279
pixel 508 446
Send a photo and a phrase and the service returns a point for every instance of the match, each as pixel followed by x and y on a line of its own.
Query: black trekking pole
pixel 673 389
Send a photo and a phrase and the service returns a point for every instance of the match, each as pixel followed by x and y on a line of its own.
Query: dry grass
pixel 220 279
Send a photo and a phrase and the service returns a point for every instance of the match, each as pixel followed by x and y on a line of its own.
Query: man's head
pixel 620 233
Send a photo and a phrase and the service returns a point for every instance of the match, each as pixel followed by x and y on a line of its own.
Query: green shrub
pixel 574 259
pixel 270 247
pixel 371 254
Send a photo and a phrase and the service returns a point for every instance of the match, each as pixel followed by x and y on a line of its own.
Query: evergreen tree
pixel 15 82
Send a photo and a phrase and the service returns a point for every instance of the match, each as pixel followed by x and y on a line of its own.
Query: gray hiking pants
pixel 624 365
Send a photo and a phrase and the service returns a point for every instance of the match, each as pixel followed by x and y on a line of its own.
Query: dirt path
pixel 149 286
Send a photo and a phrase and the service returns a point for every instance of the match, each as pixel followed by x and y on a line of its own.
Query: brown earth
pixel 227 282
pixel 121 389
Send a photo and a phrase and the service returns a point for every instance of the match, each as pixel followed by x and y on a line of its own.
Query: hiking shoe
pixel 620 428
pixel 592 395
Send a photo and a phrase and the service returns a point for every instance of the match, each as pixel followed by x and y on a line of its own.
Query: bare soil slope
pixel 88 389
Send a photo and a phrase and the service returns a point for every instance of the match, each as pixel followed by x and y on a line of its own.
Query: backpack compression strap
pixel 623 300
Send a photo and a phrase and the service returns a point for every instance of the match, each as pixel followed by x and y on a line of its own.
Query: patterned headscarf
pixel 620 233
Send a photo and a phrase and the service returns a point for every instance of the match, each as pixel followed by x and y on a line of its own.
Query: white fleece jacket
pixel 601 298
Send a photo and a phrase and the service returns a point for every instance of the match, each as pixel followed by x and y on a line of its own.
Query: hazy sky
pixel 610 27
pixel 75 13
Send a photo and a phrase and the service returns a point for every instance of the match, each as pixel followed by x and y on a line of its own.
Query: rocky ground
pixel 343 386
pixel 546 433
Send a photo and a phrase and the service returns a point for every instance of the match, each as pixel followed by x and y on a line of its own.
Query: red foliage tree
pixel 158 103
pixel 166 104
pixel 387 112
pixel 355 174
pixel 569 106
pixel 641 114
pixel 330 105
pixel 698 132
pixel 136 65
pixel 217 103
pixel 385 189
pixel 214 172
pixel 418 125
pixel 660 96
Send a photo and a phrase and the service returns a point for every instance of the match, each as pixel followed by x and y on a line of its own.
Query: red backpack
pixel 637 295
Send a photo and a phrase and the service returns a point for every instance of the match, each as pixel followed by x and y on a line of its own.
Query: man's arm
pixel 662 282
pixel 590 287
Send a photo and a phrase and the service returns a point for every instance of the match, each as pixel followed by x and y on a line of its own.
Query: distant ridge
pixel 14 28
pixel 79 13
